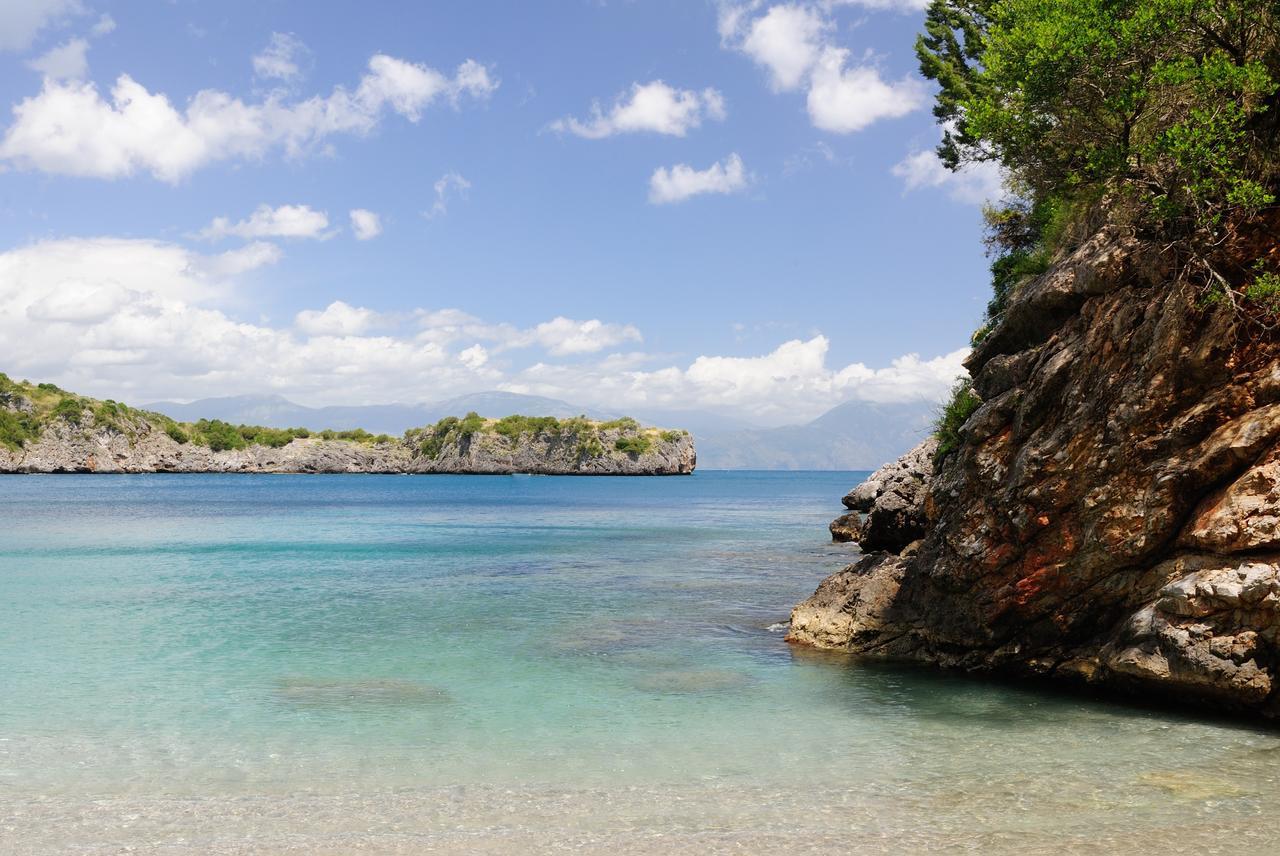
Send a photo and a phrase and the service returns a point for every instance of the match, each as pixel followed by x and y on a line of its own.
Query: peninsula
pixel 44 429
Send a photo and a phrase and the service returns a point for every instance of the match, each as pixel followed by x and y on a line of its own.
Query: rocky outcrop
pixel 1112 515
pixel 892 502
pixel 134 444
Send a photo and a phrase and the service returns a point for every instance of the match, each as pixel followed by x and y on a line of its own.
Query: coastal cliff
pixel 46 430
pixel 1110 514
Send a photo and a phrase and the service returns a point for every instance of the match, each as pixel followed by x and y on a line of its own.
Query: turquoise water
pixel 227 664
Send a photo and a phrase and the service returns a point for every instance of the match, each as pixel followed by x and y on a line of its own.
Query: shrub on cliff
pixel 17 428
pixel 954 414
pixel 1163 111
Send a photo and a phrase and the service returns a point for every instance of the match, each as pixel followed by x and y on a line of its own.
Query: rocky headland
pixel 46 430
pixel 1110 514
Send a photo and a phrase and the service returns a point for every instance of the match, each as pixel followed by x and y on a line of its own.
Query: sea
pixel 234 664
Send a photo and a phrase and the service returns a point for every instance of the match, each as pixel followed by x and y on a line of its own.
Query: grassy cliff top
pixel 27 409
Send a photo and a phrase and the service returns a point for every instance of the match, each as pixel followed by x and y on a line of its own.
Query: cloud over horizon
pixel 149 320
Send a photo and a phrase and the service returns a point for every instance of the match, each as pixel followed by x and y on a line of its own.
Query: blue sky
pixel 647 204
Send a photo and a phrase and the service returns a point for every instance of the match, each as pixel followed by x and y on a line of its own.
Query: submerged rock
pixel 1112 514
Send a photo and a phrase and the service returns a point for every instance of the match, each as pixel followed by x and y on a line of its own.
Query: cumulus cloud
pixel 70 129
pixel 973 184
pixel 21 20
pixel 286 221
pixel 103 26
pixel 682 181
pixel 792 41
pixel 843 100
pixel 67 61
pixel 337 319
pixel 280 59
pixel 651 107
pixel 785 40
pixel 365 224
pixel 563 336
pixel 144 320
pixel 792 383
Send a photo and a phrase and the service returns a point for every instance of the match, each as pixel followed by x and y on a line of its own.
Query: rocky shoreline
pixel 92 439
pixel 1111 517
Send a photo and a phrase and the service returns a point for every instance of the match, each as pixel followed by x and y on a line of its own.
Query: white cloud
pixel 287 221
pixel 974 184
pixel 337 319
pixel 69 129
pixel 883 5
pixel 365 224
pixel 786 40
pixel 788 385
pixel 793 42
pixel 474 357
pixel 280 58
pixel 683 181
pixel 845 100
pixel 67 61
pixel 104 25
pixel 451 183
pixel 144 320
pixel 235 262
pixel 653 107
pixel 563 336
pixel 20 20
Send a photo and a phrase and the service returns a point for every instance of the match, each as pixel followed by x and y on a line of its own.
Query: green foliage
pixel 218 435
pixel 672 436
pixel 633 445
pixel 175 432
pixel 963 402
pixel 1264 291
pixel 70 409
pixel 513 426
pixel 589 446
pixel 1165 109
pixel 471 424
pixel 17 428
pixel 626 423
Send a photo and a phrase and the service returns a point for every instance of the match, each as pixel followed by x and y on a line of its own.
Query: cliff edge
pixel 1111 512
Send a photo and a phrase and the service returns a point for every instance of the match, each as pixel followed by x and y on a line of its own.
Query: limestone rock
pixel 1113 514
pixel 140 447
pixel 846 527
pixel 893 499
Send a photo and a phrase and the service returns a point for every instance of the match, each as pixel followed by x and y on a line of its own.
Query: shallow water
pixel 328 664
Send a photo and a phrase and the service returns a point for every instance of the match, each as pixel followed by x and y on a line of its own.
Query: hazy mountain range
pixel 856 435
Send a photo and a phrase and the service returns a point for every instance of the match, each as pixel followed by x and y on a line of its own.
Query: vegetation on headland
pixel 586 435
pixel 27 410
pixel 1161 116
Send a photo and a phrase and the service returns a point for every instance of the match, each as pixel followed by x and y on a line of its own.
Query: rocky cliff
pixel 45 430
pixel 1112 513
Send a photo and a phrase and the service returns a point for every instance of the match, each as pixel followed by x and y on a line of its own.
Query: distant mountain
pixel 856 435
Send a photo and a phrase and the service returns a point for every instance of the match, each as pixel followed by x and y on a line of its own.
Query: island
pixel 45 429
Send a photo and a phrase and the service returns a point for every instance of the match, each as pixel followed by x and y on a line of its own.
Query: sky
pixel 654 204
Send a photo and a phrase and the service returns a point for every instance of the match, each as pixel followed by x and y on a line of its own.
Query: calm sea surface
pixel 338 664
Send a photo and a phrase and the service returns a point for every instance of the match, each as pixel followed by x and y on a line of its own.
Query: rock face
pixel 137 446
pixel 1113 513
pixel 893 500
